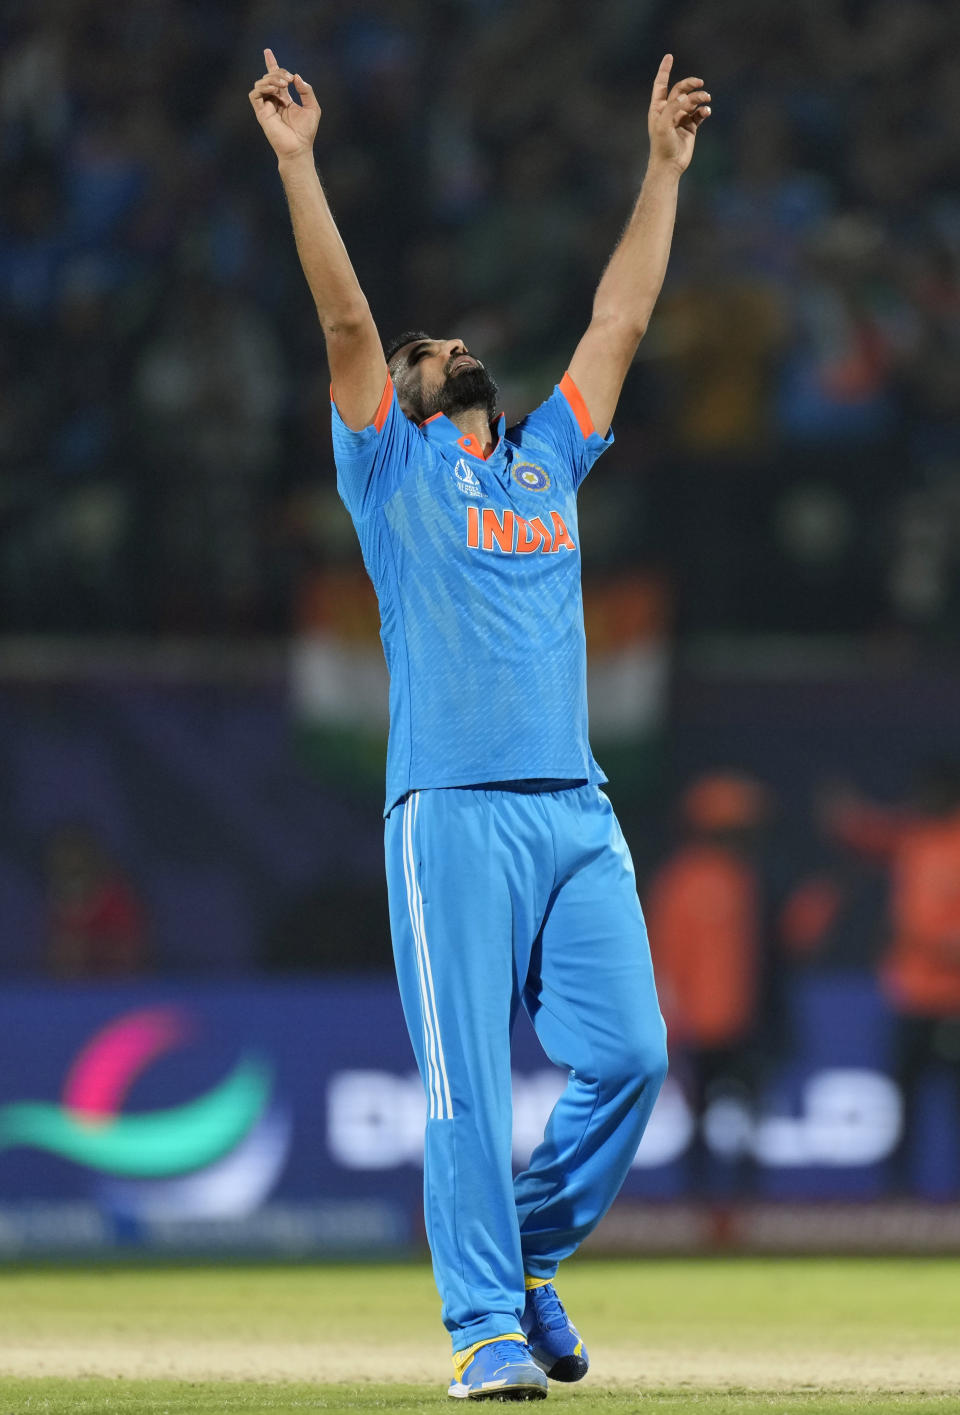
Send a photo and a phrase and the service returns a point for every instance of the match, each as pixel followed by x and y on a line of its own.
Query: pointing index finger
pixel 661 83
pixel 270 61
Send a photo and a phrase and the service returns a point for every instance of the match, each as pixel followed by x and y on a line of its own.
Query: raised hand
pixel 290 127
pixel 675 116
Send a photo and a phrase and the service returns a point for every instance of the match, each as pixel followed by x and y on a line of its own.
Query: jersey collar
pixel 441 430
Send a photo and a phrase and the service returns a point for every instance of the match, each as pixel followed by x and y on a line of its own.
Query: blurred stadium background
pixel 193 929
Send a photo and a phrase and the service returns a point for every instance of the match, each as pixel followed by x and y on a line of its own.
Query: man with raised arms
pixel 509 880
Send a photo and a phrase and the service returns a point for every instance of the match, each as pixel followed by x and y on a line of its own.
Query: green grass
pixel 766 1337
pixel 102 1397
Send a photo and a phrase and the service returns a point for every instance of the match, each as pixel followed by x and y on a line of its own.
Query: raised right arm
pixel 358 371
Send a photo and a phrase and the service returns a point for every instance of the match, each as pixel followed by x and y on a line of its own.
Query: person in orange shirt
pixel 705 918
pixel 920 971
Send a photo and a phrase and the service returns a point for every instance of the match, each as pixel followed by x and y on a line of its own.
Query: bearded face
pixel 434 376
pixel 470 386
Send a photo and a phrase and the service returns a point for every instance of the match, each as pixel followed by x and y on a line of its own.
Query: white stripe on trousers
pixel 438 1087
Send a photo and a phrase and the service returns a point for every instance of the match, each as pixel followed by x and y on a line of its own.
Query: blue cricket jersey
pixel 476 564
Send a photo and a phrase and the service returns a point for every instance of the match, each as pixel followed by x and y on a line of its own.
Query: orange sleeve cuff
pixel 574 397
pixel 383 408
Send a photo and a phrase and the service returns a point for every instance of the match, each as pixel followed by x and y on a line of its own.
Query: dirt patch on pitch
pixel 772 1368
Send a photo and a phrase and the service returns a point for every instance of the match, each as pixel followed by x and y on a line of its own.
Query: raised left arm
pixel 631 282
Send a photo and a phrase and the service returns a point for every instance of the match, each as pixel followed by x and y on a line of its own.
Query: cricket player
pixel 509 880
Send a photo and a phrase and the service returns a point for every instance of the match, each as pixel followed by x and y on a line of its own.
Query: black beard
pixel 473 388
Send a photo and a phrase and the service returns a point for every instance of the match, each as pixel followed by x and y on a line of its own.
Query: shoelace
pixel 550 1313
pixel 506 1352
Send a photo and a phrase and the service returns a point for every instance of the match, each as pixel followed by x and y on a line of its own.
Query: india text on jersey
pixel 513 535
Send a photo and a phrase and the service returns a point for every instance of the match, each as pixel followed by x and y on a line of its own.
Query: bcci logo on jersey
pixel 466 479
pixel 530 477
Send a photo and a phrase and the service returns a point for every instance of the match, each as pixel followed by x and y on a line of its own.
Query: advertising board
pixel 285 1119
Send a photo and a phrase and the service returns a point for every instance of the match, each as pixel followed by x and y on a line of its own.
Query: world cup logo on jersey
pixel 466 479
pixel 530 477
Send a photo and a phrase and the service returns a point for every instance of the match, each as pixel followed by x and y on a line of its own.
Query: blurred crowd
pixel 788 446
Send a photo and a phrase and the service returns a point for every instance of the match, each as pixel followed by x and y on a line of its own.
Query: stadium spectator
pixel 97 926
pixel 706 917
pixel 919 842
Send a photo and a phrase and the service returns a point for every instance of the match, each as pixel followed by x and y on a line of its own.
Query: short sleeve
pixel 563 422
pixel 373 462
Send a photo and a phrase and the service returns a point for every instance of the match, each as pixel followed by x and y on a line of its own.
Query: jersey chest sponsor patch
pixel 506 533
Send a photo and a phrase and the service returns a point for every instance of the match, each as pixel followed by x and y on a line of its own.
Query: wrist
pixel 663 170
pixel 293 163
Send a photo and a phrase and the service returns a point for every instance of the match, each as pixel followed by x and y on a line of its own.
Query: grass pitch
pixel 784 1337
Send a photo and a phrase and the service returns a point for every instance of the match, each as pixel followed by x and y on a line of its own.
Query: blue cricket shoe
pixel 502 1369
pixel 556 1344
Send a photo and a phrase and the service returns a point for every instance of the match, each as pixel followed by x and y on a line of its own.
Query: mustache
pixel 471 362
pixel 468 387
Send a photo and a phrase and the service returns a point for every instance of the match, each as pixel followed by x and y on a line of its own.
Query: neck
pixel 474 421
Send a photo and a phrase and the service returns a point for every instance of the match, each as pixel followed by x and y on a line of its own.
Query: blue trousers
pixel 499 898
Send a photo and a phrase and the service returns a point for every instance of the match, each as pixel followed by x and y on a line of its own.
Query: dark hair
pixel 407 337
